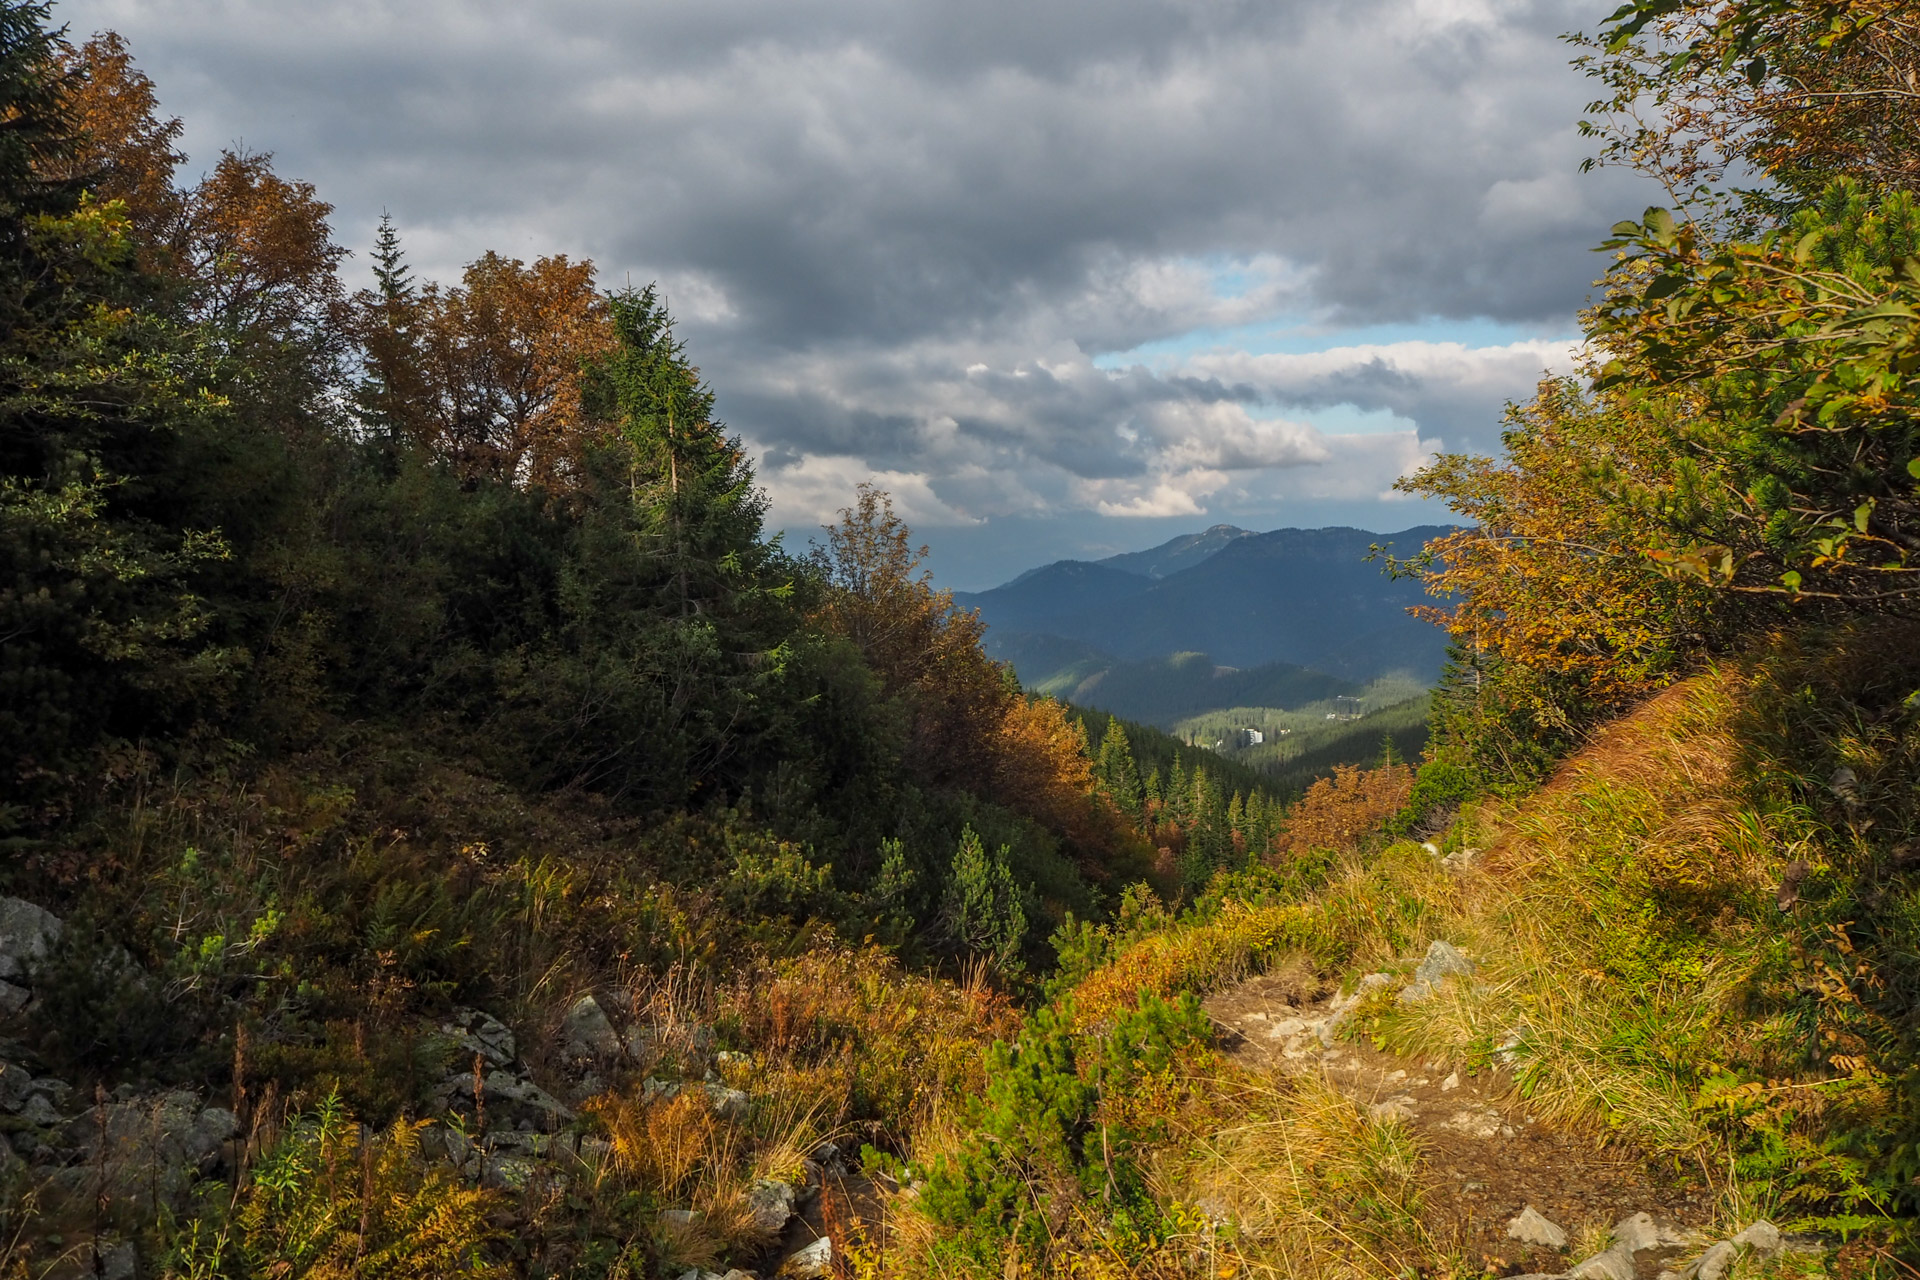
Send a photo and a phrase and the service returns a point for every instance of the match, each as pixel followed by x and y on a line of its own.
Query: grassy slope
pixel 1632 955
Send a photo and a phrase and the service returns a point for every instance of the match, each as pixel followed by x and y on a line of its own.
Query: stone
pixel 509 1173
pixel 677 1219
pixel 1529 1226
pixel 475 1031
pixel 504 1086
pixel 37 1110
pixel 587 1033
pixel 150 1145
pixel 770 1205
pixel 1478 1122
pixel 1614 1264
pixel 1714 1264
pixel 16 1084
pixel 27 933
pixel 1762 1237
pixel 1636 1234
pixel 1460 861
pixel 13 998
pixel 728 1104
pixel 1451 1083
pixel 1398 1107
pixel 1341 1007
pixel 1443 961
pixel 810 1262
pixel 115 1260
pixel 1509 1050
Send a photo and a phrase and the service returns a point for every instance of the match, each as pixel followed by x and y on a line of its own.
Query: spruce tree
pixel 1116 769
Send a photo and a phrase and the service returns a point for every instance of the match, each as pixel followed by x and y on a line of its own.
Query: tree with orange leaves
pixel 926 652
pixel 122 148
pixel 486 374
pixel 1551 578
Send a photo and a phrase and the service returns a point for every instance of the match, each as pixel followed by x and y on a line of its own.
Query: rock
pixel 1398 1107
pixel 1791 879
pixel 1762 1237
pixel 1444 960
pixel 504 1086
pixel 770 1205
pixel 150 1145
pixel 1460 860
pixel 1615 1264
pixel 1714 1264
pixel 27 933
pixel 1637 1234
pixel 1478 1122
pixel 1631 1237
pixel 1340 1008
pixel 1451 1083
pixel 37 1110
pixel 482 1033
pixel 586 1033
pixel 1508 1051
pixel 1530 1227
pixel 593 1150
pixel 16 1084
pixel 677 1219
pixel 728 1104
pixel 115 1261
pixel 810 1262
pixel 13 998
pixel 509 1173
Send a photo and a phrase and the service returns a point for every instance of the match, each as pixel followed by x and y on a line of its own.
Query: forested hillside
pixel 446 835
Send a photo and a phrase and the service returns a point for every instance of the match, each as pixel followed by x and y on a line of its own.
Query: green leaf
pixel 1861 514
pixel 1661 287
pixel 1659 225
pixel 1913 468
pixel 1791 579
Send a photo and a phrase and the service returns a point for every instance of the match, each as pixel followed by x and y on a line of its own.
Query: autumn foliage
pixel 1337 812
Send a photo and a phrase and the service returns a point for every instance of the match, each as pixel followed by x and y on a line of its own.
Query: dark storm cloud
pixel 899 232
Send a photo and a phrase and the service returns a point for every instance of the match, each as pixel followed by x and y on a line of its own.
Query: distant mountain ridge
pixel 1176 554
pixel 1305 597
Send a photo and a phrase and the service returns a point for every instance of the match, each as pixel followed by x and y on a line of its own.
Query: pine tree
pixel 392 397
pixel 391 273
pixel 1179 796
pixel 1116 769
pixel 692 481
pixel 983 908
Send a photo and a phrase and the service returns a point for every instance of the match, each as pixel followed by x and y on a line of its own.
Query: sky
pixel 1065 278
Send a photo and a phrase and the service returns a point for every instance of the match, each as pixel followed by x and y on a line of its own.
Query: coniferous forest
pixel 446 833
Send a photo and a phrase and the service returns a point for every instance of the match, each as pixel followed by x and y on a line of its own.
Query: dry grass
pixel 1301 1183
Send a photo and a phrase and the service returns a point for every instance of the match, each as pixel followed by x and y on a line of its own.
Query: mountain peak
pixel 1179 553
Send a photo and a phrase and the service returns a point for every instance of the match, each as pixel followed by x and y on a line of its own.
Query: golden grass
pixel 1302 1183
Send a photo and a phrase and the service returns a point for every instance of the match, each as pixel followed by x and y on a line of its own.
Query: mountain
pixel 1179 553
pixel 1171 689
pixel 1305 597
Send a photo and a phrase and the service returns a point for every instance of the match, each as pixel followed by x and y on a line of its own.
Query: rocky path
pixel 1488 1161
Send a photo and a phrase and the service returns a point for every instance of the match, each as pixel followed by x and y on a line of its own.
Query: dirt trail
pixel 1486 1158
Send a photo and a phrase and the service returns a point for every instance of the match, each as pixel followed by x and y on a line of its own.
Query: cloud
pixel 1449 388
pixel 901 233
